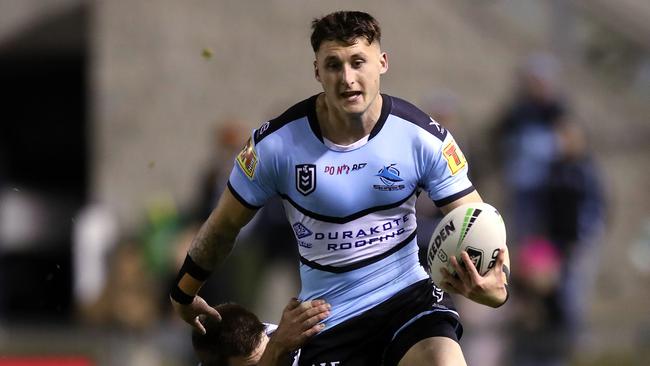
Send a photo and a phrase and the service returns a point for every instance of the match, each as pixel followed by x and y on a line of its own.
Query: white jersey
pixel 352 209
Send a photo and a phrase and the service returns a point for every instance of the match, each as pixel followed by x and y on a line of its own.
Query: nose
pixel 347 75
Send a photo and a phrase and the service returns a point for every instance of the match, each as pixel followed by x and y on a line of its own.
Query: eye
pixel 358 63
pixel 332 64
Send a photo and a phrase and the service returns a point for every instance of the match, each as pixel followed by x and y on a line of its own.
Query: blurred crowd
pixel 551 195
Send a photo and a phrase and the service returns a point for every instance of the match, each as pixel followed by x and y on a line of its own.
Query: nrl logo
pixel 476 256
pixel 306 178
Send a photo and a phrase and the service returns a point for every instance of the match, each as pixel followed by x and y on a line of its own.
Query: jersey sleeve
pixel 251 179
pixel 446 179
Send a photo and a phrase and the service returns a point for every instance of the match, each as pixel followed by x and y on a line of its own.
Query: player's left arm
pixel 490 289
pixel 300 321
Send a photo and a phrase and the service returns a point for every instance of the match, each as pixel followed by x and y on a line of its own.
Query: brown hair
pixel 237 334
pixel 346 27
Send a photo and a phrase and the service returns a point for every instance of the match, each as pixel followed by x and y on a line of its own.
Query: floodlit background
pixel 120 119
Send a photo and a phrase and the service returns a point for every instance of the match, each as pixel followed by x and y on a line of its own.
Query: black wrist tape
pixel 192 269
pixel 179 296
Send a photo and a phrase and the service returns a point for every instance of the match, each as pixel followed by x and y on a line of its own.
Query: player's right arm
pixel 210 247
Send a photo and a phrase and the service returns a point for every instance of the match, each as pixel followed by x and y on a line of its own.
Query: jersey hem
pixel 454 197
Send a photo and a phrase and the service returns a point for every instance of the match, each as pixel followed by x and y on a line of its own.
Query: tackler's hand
pixel 300 320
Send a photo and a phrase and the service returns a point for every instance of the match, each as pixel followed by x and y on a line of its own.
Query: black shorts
pixel 383 334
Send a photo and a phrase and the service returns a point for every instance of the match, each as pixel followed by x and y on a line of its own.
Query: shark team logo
pixel 306 178
pixel 389 175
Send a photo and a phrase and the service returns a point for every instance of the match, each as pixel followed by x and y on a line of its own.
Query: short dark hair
pixel 237 334
pixel 346 27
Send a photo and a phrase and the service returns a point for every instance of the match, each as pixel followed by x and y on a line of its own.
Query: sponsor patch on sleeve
pixel 455 158
pixel 247 159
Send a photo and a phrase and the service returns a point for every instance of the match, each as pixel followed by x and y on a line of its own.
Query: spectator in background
pixel 525 134
pixel 555 214
pixel 226 140
pixel 557 265
pixel 576 215
pixel 94 237
pixel 129 298
pixel 537 335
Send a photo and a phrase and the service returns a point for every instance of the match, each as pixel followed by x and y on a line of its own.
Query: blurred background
pixel 120 121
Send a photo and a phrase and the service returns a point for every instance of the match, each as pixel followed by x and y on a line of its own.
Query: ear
pixel 383 61
pixel 316 74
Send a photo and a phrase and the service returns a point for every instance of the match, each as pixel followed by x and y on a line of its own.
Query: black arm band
pixel 179 296
pixel 193 269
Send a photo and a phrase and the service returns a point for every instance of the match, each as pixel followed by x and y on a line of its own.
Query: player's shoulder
pixel 410 113
pixel 296 112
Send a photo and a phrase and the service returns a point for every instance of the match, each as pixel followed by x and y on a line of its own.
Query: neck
pixel 345 129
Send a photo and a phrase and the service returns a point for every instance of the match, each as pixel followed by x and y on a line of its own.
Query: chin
pixel 354 109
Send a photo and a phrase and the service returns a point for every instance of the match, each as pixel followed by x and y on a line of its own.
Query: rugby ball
pixel 476 228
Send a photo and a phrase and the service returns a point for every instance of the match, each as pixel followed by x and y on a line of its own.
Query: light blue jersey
pixel 352 209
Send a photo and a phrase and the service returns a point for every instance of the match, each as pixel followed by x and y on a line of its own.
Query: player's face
pixel 350 74
pixel 253 358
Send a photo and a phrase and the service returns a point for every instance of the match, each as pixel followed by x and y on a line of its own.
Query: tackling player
pixel 349 163
pixel 240 339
